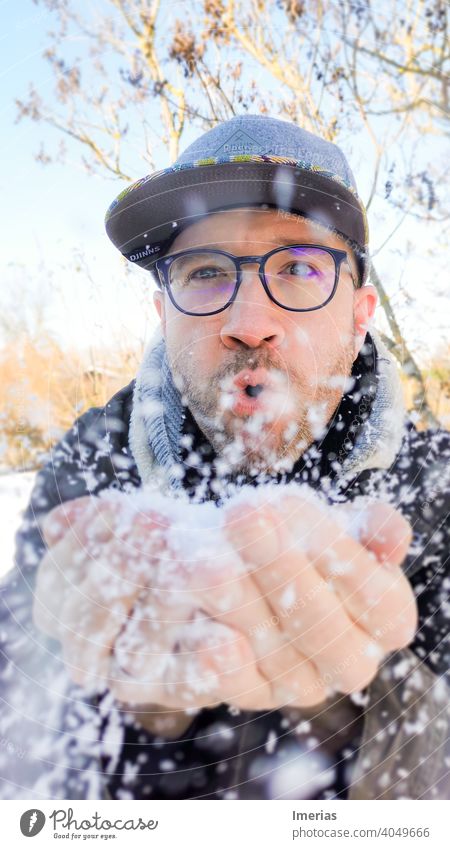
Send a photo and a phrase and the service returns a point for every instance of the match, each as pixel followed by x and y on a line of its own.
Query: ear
pixel 364 304
pixel 158 300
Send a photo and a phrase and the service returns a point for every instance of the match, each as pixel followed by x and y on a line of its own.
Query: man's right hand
pixel 132 615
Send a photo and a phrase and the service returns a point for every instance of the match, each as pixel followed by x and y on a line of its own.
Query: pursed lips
pixel 248 390
pixel 252 379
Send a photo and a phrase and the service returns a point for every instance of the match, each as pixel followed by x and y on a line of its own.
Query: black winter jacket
pixel 392 742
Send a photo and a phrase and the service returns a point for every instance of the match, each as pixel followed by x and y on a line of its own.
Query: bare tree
pixel 124 69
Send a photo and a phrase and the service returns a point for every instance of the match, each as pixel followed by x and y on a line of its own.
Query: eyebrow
pixel 281 240
pixel 290 240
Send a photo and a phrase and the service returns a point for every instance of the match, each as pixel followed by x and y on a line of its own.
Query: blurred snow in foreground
pixel 15 489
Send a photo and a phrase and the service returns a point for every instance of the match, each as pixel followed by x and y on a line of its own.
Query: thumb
pixel 386 533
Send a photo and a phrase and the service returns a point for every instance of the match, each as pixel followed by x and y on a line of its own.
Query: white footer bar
pixel 225 824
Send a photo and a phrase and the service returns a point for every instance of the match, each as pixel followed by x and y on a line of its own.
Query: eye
pixel 302 269
pixel 205 273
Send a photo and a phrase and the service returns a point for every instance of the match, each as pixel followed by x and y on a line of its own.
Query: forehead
pixel 237 227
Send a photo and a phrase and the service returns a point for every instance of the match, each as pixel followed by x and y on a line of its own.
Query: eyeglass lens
pixel 297 277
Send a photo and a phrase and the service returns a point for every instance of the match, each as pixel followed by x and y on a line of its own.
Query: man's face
pixel 299 362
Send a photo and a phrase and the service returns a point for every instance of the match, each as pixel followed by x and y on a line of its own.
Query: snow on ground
pixel 15 488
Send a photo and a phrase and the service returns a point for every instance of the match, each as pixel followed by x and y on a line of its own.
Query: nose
pixel 252 319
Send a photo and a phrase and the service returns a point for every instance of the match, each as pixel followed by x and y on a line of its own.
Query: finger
pixel 212 664
pixel 221 586
pixel 318 625
pixel 99 519
pixel 97 596
pixel 226 663
pixel 254 532
pixel 293 678
pixel 106 615
pixel 85 520
pixel 87 639
pixel 380 527
pixel 91 551
pixel 230 601
pixel 66 564
pixel 151 638
pixel 227 592
pixel 379 600
pixel 386 533
pixel 55 577
pixel 58 521
pixel 89 629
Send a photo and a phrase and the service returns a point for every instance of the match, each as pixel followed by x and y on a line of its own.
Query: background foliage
pixel 130 75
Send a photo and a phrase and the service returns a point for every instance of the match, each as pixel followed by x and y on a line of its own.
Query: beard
pixel 269 442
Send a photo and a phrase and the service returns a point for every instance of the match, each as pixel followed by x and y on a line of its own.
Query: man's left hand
pixel 337 606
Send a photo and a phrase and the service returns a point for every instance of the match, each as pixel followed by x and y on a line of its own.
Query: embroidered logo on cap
pixel 239 142
pixel 143 253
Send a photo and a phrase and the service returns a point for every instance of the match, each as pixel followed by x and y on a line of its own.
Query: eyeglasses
pixel 299 278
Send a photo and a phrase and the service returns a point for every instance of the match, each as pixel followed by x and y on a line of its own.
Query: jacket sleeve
pixel 38 702
pixel 428 563
pixel 405 749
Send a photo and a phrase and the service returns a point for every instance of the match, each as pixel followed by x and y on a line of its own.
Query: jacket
pixel 390 742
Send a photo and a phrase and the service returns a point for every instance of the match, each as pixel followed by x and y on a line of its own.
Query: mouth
pixel 249 391
pixel 253 391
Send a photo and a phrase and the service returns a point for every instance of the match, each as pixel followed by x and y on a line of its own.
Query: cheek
pixel 192 343
pixel 323 332
pixel 180 330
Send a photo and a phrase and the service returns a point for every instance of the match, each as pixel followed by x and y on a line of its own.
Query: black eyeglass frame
pixel 164 263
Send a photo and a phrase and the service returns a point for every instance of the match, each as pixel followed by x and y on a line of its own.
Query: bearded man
pixel 230 580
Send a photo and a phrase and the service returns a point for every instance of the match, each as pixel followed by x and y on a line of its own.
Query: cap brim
pixel 145 218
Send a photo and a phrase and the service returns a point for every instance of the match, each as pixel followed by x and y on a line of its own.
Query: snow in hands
pixel 274 598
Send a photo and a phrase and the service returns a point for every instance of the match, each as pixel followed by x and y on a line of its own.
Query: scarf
pixel 364 432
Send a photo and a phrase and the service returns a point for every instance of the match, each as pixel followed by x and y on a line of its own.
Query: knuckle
pixel 312 696
pixel 121 692
pixel 254 532
pixel 301 690
pixel 231 656
pixel 405 629
pixel 312 691
pixel 398 630
pixel 357 676
pixel 225 596
pixel 253 701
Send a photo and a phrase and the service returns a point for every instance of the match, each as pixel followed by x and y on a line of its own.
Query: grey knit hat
pixel 251 160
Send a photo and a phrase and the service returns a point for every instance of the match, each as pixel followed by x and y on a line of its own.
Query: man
pixel 287 654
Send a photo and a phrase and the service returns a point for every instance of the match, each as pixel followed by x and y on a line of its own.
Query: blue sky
pixel 54 213
pixel 35 191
